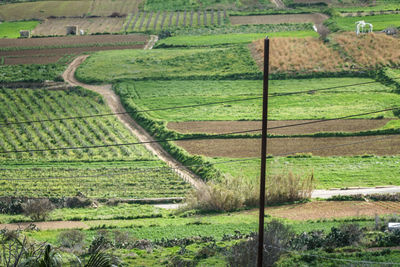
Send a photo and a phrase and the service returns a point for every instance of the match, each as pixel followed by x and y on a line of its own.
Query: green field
pixel 223 39
pixel 167 64
pixel 205 4
pixel 324 104
pixel 379 22
pixel 330 172
pixel 30 73
pixel 121 171
pixel 11 29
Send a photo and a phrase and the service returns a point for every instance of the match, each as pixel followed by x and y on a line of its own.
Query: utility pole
pixel 263 154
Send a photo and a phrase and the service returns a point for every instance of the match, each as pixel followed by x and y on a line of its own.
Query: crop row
pixel 27 104
pixel 126 182
pixel 144 21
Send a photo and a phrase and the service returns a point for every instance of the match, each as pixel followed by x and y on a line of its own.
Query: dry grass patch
pixel 290 55
pixel 370 50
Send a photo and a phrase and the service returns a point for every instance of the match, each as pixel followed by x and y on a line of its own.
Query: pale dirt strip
pixel 114 102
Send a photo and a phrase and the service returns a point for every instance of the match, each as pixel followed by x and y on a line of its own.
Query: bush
pixel 100 242
pixel 389 239
pixel 72 239
pixel 78 202
pixel 11 206
pixel 277 237
pixel 37 209
pixel 345 235
pixel 308 241
pixel 289 187
pixel 122 239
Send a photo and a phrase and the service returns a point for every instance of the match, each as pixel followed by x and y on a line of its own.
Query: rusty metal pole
pixel 263 154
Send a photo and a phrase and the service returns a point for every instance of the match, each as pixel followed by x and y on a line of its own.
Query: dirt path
pixel 151 43
pixel 355 191
pixel 45 225
pixel 278 3
pixel 115 105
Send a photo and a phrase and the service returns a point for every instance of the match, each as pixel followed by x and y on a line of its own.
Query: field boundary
pixel 114 102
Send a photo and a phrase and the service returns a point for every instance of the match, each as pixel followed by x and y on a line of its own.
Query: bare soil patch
pixel 333 146
pixel 107 7
pixel 333 209
pixel 316 18
pixel 45 225
pixel 73 40
pixel 219 127
pixel 57 26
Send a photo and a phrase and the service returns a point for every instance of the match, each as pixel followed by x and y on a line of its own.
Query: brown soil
pixel 219 127
pixel 46 225
pixel 114 102
pixel 57 26
pixel 316 18
pixel 323 146
pixel 333 209
pixel 65 51
pixel 73 40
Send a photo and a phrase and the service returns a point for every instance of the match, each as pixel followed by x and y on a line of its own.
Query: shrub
pixel 102 240
pixel 37 209
pixel 122 239
pixel 78 202
pixel 72 239
pixel 11 206
pixel 277 237
pixel 308 241
pixel 389 239
pixel 289 187
pixel 345 235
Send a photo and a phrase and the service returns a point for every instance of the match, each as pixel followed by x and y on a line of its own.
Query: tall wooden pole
pixel 263 154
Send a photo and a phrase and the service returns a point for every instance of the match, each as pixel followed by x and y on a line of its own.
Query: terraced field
pixel 161 20
pixel 51 50
pixel 138 173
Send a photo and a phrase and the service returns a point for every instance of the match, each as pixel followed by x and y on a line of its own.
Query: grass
pixel 380 22
pixel 330 172
pixel 103 212
pixel 223 39
pixel 327 104
pixel 207 4
pixel 11 29
pixel 31 73
pixel 163 64
pixel 43 9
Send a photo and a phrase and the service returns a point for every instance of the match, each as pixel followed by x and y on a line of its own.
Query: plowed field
pixel 217 127
pixel 323 146
pixel 45 50
pixel 88 25
pixel 278 19
pixel 72 40
pixel 333 209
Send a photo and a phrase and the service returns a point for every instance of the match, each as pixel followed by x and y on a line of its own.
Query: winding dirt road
pixel 114 102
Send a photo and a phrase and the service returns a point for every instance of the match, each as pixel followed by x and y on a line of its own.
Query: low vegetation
pixel 160 64
pixel 11 29
pixel 379 22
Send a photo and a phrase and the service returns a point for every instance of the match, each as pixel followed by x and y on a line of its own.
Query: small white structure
pixel 82 32
pixel 393 226
pixel 360 27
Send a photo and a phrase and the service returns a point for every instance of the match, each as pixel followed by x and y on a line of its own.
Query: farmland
pixel 380 22
pixel 327 104
pixel 330 172
pixel 63 148
pixel 370 51
pixel 57 26
pixel 223 39
pixel 51 50
pixel 168 64
pixel 43 9
pixel 157 21
pixel 293 55
pixel 173 5
pixel 11 29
